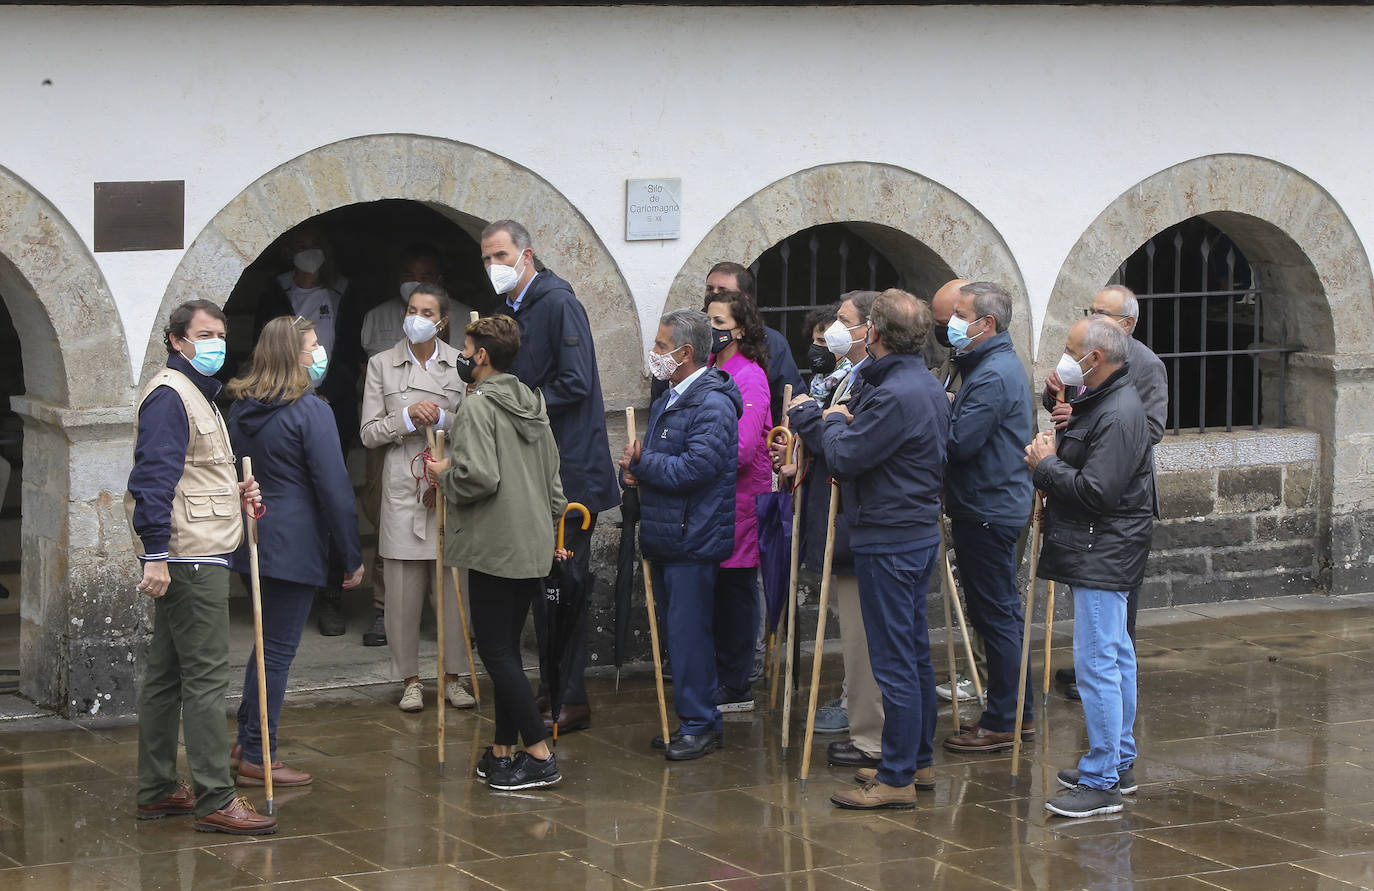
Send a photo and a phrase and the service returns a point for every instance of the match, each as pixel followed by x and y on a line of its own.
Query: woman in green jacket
pixel 504 499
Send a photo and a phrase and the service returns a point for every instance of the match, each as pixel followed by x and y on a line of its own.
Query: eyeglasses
pixel 1089 312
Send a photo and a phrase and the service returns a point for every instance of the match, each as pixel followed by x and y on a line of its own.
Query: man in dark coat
pixel 1099 519
pixel 557 357
pixel 887 449
pixel 685 469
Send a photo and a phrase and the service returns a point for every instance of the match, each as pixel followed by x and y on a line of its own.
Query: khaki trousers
pixel 407 584
pixel 865 699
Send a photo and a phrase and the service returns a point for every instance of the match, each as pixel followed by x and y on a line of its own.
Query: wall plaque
pixel 140 216
pixel 653 209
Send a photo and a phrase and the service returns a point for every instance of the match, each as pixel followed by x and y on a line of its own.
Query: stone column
pixel 81 620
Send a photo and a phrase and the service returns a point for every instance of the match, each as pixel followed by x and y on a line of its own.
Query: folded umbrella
pixel 565 596
pixel 626 562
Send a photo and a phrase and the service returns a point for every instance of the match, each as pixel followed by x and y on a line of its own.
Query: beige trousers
pixel 865 699
pixel 407 583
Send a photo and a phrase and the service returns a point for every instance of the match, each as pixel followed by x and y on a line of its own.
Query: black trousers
pixel 574 665
pixel 499 608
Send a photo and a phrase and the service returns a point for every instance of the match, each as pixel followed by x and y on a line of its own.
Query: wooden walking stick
pixel 1026 639
pixel 264 728
pixel 963 629
pixel 467 637
pixel 440 505
pixel 653 613
pixel 820 632
pixel 949 639
pixel 790 642
pixel 770 675
pixel 1049 616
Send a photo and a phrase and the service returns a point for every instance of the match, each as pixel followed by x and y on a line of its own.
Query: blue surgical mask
pixel 209 357
pixel 958 334
pixel 320 364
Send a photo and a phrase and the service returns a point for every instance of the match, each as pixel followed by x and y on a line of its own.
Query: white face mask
pixel 1070 370
pixel 309 260
pixel 505 278
pixel 408 288
pixel 419 329
pixel 662 365
pixel 837 338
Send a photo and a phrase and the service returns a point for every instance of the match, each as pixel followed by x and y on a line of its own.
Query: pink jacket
pixel 755 468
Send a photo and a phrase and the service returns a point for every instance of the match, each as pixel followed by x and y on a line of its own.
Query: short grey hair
pixel 1130 307
pixel 863 302
pixel 990 300
pixel 519 235
pixel 690 326
pixel 1108 338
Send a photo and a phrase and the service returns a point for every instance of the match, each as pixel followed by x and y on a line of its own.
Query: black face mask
pixel 720 339
pixel 821 359
pixel 942 335
pixel 466 366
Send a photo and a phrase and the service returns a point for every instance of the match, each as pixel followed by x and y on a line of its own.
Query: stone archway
pixel 917 223
pixel 1306 252
pixel 467 184
pixel 80 619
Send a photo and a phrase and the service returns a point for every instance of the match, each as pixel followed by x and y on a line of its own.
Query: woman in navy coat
pixel 288 431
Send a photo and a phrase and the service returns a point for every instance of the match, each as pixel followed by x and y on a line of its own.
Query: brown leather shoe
pixel 238 818
pixel 876 796
pixel 571 718
pixel 1027 729
pixel 925 777
pixel 981 740
pixel 250 774
pixel 182 801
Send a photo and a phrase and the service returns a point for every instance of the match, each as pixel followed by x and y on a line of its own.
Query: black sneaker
pixel 330 616
pixel 525 772
pixel 1068 778
pixel 376 635
pixel 489 762
pixel 734 702
pixel 1085 801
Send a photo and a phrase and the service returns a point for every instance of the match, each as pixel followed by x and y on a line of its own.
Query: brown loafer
pixel 981 740
pixel 925 777
pixel 250 774
pixel 238 818
pixel 571 718
pixel 1027 729
pixel 182 801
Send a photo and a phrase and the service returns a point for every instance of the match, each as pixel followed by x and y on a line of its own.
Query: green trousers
pixel 185 680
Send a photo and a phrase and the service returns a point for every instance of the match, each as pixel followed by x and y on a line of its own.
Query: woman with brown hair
pixel 288 431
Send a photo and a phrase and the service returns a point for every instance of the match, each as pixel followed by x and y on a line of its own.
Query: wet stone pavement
pixel 1256 732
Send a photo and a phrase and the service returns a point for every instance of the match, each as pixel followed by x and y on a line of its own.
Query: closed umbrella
pixel 565 596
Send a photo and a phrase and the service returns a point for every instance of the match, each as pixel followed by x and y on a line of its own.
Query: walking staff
pixel 631 429
pixel 820 632
pixel 963 629
pixel 789 675
pixel 252 517
pixel 467 637
pixel 436 448
pixel 1038 512
pixel 1049 611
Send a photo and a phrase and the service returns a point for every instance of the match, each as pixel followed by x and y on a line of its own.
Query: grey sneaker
pixel 1085 801
pixel 1068 778
pixel 965 687
pixel 832 718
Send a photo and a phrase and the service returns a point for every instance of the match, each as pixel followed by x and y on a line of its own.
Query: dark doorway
pixel 11 474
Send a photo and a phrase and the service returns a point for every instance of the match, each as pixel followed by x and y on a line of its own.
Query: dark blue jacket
pixel 986 477
pixel 782 370
pixel 305 488
pixel 686 473
pixel 890 458
pixel 558 358
pixel 160 456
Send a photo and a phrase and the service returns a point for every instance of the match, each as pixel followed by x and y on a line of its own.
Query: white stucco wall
pixel 1038 117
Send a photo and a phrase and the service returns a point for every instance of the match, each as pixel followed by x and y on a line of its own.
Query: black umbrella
pixel 565 596
pixel 625 575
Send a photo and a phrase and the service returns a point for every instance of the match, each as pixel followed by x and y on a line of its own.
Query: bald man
pixel 941 309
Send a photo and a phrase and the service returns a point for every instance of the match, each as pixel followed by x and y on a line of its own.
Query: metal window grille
pixel 1201 311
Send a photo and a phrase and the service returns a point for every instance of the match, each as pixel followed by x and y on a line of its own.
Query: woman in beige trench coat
pixel 411 386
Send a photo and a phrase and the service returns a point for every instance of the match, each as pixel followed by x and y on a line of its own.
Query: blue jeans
pixel 736 623
pixel 986 554
pixel 285 607
pixel 685 597
pixel 1104 662
pixel 892 596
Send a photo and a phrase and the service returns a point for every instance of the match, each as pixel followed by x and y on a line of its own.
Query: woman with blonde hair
pixel 288 431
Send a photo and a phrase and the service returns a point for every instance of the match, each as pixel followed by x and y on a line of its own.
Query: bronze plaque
pixel 140 216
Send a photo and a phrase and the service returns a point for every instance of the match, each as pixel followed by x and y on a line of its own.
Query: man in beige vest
pixel 183 506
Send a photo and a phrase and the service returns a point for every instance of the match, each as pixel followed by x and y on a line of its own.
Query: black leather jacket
pixel 1099 491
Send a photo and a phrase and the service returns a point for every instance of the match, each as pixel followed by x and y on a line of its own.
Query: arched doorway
pixel 81 621
pixel 1283 509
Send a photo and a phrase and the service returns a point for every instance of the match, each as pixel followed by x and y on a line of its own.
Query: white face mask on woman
pixel 419 329
pixel 309 260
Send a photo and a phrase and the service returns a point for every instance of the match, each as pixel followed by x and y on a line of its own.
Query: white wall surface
pixel 1039 117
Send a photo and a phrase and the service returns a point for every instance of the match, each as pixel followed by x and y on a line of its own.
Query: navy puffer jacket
pixel 687 470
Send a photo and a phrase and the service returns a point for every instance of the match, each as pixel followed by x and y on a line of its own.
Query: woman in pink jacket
pixel 738 348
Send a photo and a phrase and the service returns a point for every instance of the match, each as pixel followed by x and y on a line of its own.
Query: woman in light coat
pixel 411 387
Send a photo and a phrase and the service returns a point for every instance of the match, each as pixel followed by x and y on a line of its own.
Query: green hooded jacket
pixel 503 489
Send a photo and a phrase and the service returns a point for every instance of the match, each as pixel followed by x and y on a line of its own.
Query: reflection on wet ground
pixel 1256 734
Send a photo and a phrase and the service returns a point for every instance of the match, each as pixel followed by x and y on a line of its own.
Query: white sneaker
pixel 457 696
pixel 413 700
pixel 965 690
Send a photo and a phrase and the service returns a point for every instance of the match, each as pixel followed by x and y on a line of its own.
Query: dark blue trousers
pixel 685 597
pixel 892 596
pixel 736 621
pixel 285 607
pixel 986 554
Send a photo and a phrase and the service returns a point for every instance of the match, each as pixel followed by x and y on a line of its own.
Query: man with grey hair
pixel 988 497
pixel 685 469
pixel 1118 303
pixel 1099 490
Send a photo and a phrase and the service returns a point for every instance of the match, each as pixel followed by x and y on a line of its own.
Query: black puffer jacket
pixel 1099 491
